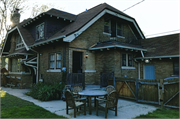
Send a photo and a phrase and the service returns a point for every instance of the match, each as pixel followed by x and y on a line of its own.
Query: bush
pixel 46 92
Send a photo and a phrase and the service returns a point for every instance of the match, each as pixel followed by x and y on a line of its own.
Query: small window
pixel 119 29
pixel 55 61
pixel 16 66
pixel 127 60
pixel 19 43
pixel 107 27
pixel 40 32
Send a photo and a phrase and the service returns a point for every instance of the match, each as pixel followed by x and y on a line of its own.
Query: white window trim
pixel 90 71
pixel 109 29
pixel 120 36
pixel 128 67
pixel 125 67
pixel 24 73
pixel 37 39
pixel 55 69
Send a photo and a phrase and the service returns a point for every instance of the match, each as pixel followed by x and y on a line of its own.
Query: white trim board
pixel 74 35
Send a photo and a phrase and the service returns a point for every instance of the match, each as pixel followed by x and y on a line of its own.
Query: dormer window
pixel 107 26
pixel 119 29
pixel 19 43
pixel 40 32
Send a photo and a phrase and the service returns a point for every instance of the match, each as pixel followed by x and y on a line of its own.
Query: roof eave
pixel 156 57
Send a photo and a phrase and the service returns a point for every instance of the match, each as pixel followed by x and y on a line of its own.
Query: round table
pixel 92 93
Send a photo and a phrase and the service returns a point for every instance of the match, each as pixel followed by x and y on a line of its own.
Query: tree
pixel 7 7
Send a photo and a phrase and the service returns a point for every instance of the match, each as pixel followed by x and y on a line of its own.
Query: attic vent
pixel 63 31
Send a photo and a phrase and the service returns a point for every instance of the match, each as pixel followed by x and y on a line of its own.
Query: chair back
pixel 69 98
pixel 77 88
pixel 109 89
pixel 112 99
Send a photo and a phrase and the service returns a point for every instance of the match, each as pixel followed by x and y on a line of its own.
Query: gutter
pixel 47 41
pixel 154 57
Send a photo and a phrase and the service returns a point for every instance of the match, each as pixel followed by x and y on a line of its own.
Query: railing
pixel 129 39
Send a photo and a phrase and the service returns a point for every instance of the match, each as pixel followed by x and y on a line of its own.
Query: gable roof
pixel 79 24
pixel 85 17
pixel 162 47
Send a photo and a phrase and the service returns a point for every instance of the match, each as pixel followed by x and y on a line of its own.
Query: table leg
pixel 89 104
pixel 94 101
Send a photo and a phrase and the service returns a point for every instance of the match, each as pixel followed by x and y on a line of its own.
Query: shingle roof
pixel 162 46
pixel 85 17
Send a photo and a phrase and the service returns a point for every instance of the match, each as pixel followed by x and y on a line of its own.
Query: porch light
pixel 86 56
pixel 147 61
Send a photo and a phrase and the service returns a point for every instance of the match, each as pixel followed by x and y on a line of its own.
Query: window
pixel 55 61
pixel 40 32
pixel 176 67
pixel 16 66
pixel 19 43
pixel 119 29
pixel 107 27
pixel 127 60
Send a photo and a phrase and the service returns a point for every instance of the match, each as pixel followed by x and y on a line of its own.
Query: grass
pixel 13 107
pixel 162 113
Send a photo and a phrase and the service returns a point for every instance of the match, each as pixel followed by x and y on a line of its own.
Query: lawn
pixel 162 113
pixel 13 107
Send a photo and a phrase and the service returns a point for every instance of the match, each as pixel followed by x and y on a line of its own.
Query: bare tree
pixel 7 7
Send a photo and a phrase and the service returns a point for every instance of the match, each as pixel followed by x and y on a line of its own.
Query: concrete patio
pixel 126 108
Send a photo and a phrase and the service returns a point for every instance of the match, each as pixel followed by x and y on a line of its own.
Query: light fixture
pixel 147 61
pixel 86 56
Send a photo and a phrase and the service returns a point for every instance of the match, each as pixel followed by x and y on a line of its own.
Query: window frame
pixel 175 65
pixel 109 25
pixel 16 65
pixel 55 61
pixel 121 28
pixel 19 42
pixel 37 31
pixel 127 60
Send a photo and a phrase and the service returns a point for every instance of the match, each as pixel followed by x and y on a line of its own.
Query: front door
pixel 149 72
pixel 77 62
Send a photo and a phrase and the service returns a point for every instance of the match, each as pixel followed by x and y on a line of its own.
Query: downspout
pixel 28 64
pixel 37 75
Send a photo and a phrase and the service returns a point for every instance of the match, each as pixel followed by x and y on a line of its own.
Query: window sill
pixel 24 73
pixel 106 33
pixel 124 67
pixel 121 37
pixel 54 70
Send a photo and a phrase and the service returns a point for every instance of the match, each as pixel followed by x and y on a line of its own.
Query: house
pixel 101 39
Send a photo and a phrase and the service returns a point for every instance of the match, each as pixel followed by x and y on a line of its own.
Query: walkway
pixel 126 109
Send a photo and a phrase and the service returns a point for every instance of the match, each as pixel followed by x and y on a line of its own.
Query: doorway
pixel 149 72
pixel 77 62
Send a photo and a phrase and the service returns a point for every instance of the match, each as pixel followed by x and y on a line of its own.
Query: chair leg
pixel 74 112
pixel 116 111
pixel 85 109
pixel 96 107
pixel 66 109
pixel 106 110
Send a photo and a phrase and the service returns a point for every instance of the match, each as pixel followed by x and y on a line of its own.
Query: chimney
pixel 15 17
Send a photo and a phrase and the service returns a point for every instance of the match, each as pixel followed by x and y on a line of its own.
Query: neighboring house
pixel 101 39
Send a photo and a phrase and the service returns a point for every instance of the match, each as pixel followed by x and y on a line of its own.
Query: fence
pixel 161 92
pixel 76 78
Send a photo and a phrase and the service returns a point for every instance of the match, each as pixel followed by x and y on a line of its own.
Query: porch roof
pixel 115 44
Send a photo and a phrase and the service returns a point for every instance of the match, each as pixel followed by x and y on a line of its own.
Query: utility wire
pixel 134 5
pixel 163 32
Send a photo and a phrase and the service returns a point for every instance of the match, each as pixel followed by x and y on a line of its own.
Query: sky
pixel 155 17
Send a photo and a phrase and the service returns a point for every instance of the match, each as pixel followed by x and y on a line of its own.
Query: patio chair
pixel 74 104
pixel 108 89
pixel 76 89
pixel 110 103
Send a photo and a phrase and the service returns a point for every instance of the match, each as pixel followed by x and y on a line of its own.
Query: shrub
pixel 45 92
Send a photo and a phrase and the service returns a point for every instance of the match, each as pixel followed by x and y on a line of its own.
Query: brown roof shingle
pixel 162 46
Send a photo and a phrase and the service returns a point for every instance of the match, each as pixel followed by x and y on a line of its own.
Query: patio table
pixel 92 93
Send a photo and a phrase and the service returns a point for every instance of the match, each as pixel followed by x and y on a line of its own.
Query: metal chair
pixel 110 103
pixel 74 104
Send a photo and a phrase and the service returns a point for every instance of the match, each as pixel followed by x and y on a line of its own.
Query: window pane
pixel 123 59
pixel 129 60
pixel 58 64
pixel 107 26
pixel 52 58
pixel 51 65
pixel 58 56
